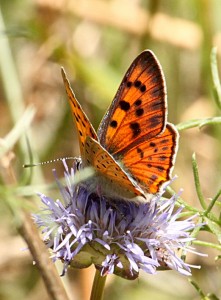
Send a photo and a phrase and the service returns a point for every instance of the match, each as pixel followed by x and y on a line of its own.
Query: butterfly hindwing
pixel 139 107
pixel 150 163
pixel 84 127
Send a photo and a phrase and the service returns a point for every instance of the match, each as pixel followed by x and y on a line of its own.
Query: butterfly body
pixel 133 153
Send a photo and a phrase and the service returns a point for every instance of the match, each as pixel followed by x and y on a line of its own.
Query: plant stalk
pixel 98 286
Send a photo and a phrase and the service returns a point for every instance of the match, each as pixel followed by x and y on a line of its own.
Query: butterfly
pixel 133 152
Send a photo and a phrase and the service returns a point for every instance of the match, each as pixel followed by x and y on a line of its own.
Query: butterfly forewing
pixel 138 109
pixel 150 163
pixel 106 166
pixel 81 120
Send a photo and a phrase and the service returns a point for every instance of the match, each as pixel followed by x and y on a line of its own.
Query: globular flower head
pixel 115 235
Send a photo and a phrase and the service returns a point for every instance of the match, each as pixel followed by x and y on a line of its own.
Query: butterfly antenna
pixel 49 161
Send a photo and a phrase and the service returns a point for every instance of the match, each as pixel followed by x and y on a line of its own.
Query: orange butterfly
pixel 134 150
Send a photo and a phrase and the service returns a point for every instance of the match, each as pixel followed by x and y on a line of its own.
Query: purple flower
pixel 117 236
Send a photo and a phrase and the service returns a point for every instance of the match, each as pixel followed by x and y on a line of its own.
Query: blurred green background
pixel 96 40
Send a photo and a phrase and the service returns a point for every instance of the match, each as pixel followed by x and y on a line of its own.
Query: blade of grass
pixel 18 130
pixel 215 77
pixel 197 182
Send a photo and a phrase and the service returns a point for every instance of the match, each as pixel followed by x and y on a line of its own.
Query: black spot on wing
pixel 135 127
pixel 140 152
pixel 76 117
pixel 139 112
pixel 152 144
pixel 138 102
pixel 113 124
pixel 137 83
pixel 165 148
pixel 163 158
pixel 92 134
pixel 143 88
pixel 124 105
pixel 164 141
pixel 129 84
pixel 160 168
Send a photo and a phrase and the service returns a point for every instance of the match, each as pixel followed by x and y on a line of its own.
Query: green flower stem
pixel 186 214
pixel 98 286
pixel 197 182
pixel 212 203
pixel 206 244
pixel 197 229
pixel 199 290
pixel 198 123
pixel 207 210
pixel 191 209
